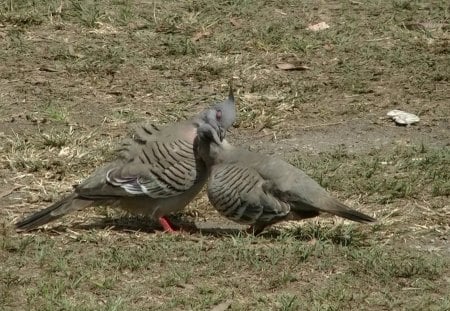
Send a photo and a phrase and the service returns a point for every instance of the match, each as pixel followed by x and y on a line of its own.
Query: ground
pixel 75 76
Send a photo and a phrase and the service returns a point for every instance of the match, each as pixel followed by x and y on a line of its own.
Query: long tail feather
pixel 67 205
pixel 336 208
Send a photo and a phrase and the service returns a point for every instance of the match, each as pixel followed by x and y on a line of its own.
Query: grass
pixel 55 113
pixel 403 172
pixel 77 73
pixel 321 264
pixel 173 272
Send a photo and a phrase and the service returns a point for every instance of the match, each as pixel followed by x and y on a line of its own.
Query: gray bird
pixel 155 173
pixel 260 190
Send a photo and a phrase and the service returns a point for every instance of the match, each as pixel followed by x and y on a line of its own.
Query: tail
pixel 65 206
pixel 337 208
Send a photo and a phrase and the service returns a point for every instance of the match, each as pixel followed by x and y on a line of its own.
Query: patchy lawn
pixel 75 75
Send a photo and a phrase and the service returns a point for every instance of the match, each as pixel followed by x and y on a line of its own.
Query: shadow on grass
pixel 339 234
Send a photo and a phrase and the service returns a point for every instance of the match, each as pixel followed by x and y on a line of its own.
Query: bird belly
pixel 159 207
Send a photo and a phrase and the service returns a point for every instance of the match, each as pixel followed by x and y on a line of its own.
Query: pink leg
pixel 165 223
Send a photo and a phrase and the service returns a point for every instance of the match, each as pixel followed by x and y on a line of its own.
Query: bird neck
pixel 210 152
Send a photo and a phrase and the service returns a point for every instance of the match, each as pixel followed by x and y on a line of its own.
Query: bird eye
pixel 219 115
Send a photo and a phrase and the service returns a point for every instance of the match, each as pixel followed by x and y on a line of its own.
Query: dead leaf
pixel 200 35
pixel 72 52
pixel 64 152
pixel 425 26
pixel 328 47
pixel 318 26
pixel 186 286
pixel 291 66
pixel 8 192
pixel 222 306
pixel 236 22
pixel 312 242
pixel 48 69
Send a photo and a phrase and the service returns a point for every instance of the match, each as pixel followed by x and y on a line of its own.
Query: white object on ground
pixel 318 26
pixel 402 117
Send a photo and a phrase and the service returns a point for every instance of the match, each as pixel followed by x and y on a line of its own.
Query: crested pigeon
pixel 260 190
pixel 155 173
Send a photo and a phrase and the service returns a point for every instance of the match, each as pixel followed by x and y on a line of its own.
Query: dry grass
pixel 77 74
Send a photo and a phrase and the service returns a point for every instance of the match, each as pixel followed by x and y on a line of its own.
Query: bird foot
pixel 166 224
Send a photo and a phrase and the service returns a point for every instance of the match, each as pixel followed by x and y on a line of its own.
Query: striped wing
pixel 143 134
pixel 158 170
pixel 239 194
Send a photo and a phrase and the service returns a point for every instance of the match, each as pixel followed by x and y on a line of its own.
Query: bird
pixel 260 190
pixel 155 172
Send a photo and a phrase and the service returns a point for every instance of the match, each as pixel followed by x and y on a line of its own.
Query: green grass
pixel 75 74
pixel 253 272
pixel 381 176
pixel 55 113
pixel 317 265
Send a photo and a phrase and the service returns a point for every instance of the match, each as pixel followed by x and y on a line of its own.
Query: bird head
pixel 211 131
pixel 226 111
pixel 220 116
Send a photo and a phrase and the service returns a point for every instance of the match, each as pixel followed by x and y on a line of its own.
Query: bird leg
pixel 166 224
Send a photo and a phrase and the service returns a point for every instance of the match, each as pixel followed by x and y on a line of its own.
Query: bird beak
pixel 222 133
pixel 217 135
